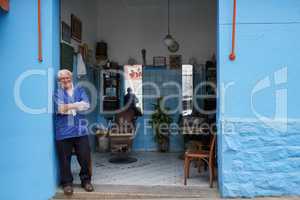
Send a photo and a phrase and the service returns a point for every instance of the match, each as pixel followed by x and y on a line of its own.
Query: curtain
pixel 4 4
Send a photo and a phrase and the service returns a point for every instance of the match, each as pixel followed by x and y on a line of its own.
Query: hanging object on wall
pixel 81 66
pixel 65 32
pixel 76 28
pixel 232 55
pixel 40 56
pixel 175 61
pixel 169 40
pixel 4 5
pixel 83 50
pixel 101 53
pixel 159 61
pixel 144 57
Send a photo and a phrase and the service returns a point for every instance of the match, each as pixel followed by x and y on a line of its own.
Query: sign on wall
pixel 134 80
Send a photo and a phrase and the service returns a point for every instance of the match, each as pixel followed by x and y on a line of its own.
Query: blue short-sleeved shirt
pixel 69 126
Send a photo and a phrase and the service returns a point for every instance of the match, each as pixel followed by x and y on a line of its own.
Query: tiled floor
pixel 151 169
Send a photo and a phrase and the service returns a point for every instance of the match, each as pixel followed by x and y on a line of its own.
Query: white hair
pixel 64 71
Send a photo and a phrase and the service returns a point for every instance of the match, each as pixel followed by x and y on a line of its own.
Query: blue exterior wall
pixel 258 157
pixel 28 164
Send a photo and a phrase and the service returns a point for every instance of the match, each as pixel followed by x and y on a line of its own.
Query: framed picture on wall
pixel 65 32
pixel 159 61
pixel 76 28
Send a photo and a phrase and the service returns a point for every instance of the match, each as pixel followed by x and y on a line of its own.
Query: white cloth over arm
pixel 81 68
pixel 82 106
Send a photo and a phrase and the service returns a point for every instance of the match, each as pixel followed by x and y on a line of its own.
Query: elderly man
pixel 70 135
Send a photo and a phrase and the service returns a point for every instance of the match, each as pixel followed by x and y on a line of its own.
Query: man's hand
pixel 64 108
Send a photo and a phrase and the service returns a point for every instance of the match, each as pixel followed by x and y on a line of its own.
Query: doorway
pixel 129 28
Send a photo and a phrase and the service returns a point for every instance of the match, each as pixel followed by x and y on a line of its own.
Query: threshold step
pixel 141 192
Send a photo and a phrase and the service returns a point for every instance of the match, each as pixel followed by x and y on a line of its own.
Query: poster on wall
pixel 134 80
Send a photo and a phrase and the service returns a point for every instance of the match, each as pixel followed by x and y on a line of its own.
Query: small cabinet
pixel 111 90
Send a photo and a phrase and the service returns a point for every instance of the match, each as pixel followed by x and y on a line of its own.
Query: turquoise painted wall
pixel 257 156
pixel 28 164
pixel 144 140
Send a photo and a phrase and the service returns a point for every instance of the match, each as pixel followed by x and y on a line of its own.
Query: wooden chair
pixel 121 137
pixel 207 156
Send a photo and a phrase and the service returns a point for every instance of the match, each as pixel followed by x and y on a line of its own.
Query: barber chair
pixel 121 136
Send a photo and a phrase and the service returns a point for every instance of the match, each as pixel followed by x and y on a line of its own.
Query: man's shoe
pixel 88 187
pixel 68 190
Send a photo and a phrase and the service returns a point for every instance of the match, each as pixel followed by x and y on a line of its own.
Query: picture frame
pixel 65 32
pixel 76 28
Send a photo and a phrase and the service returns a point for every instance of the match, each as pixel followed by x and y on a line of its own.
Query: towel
pixel 82 106
pixel 81 68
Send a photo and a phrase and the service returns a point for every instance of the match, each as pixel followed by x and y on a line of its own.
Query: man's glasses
pixel 65 79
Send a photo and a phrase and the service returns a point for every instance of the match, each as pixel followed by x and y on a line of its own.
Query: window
pixel 187 89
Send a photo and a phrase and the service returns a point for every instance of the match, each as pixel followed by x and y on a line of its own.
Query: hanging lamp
pixel 169 41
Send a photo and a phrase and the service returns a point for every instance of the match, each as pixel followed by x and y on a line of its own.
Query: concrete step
pixel 141 192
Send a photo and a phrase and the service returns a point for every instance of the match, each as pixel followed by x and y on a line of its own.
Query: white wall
pixel 131 25
pixel 86 11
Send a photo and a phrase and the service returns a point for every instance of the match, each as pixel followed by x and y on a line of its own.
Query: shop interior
pixel 165 51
